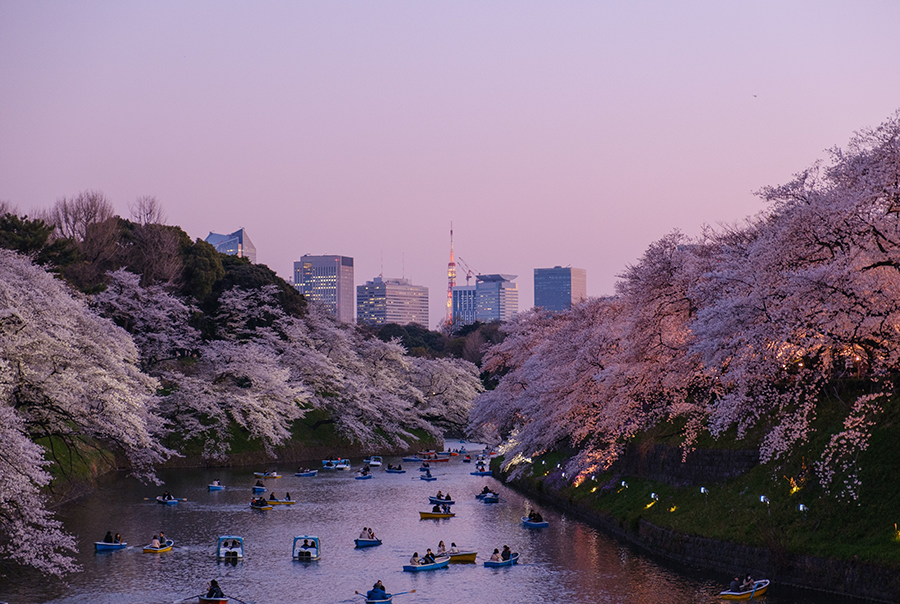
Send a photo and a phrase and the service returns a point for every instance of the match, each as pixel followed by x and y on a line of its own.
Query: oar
pixel 755 585
pixel 238 599
pixel 411 591
pixel 187 598
pixel 175 498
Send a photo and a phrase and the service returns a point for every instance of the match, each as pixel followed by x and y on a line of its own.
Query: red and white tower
pixel 451 281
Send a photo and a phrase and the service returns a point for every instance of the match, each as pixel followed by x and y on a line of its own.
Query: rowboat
pixel 267 475
pixel 467 459
pixel 162 548
pixel 413 459
pixel 307 473
pixel 483 495
pixel 492 498
pixel 424 468
pixel 281 501
pixel 259 489
pixel 436 459
pixel 395 471
pixel 205 600
pixel 374 460
pixel 306 548
pixel 529 524
pixel 440 500
pixel 215 487
pixel 362 476
pixel 360 543
pixel 257 506
pixel 103 546
pixel 388 601
pixel 230 547
pixel 481 473
pixel 463 557
pixel 759 588
pixel 435 515
pixel 428 478
pixel 164 501
pixel 441 562
pixel 513 559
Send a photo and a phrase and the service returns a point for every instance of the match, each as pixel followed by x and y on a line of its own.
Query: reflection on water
pixel 567 562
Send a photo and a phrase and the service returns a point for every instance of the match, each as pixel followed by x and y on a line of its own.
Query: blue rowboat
pixel 215 487
pixel 481 473
pixel 307 473
pixel 102 546
pixel 428 478
pixel 259 489
pixel 529 524
pixel 360 543
pixel 424 469
pixel 165 501
pixel 441 562
pixel 440 500
pixel 513 559
pixel 415 458
pixel 492 498
pixel 363 476
pixel 395 471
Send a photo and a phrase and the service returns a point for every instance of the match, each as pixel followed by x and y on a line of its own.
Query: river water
pixel 568 562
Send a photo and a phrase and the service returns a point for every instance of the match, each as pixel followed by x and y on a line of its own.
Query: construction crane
pixel 469 272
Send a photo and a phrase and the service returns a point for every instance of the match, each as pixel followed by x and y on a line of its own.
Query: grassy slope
pixel 864 529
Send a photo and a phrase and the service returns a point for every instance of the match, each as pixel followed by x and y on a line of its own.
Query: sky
pixel 571 134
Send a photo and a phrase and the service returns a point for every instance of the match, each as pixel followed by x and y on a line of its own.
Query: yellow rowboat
pixel 462 557
pixel 162 548
pixel 759 588
pixel 431 515
pixel 281 501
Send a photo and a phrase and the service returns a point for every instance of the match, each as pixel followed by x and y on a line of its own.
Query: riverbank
pixel 853 577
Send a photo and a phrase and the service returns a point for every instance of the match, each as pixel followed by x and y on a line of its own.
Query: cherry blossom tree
pixel 72 378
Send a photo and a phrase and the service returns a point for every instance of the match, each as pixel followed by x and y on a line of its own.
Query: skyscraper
pixel 398 301
pixel 558 288
pixel 493 298
pixel 329 280
pixel 234 244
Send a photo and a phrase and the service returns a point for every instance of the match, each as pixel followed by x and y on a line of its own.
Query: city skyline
pixel 549 135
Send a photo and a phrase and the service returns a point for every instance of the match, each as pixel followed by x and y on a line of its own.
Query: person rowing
pixel 214 590
pixel 378 592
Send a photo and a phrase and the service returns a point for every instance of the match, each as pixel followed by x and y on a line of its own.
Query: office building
pixel 234 244
pixel 558 288
pixel 493 298
pixel 328 280
pixel 398 301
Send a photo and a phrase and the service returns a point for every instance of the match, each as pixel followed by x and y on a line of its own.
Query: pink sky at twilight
pixel 549 133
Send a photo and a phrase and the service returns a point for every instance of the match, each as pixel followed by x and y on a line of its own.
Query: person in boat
pixel 415 559
pixel 748 583
pixel 364 534
pixel 214 590
pixel 117 538
pixel 428 558
pixel 216 483
pixel 162 538
pixel 259 483
pixel 399 466
pixel 447 497
pixel 377 592
pixel 735 586
pixel 441 549
pixel 371 534
pixel 168 496
pixel 307 544
pixel 439 495
pixel 154 543
pixel 453 548
pixel 436 509
pixel 428 473
pixel 485 491
pixel 506 553
pixel 445 508
pixel 390 467
pixel 495 557
pixel 287 496
pixel 272 497
pixel 108 538
pixel 366 469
